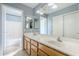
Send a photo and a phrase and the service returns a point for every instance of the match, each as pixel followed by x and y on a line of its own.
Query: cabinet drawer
pixel 33 53
pixel 34 48
pixel 34 42
pixel 40 53
pixel 27 39
pixel 49 51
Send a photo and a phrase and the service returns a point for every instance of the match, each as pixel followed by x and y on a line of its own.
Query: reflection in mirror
pixel 36 23
pixel 71 25
pixel 29 22
pixel 66 25
pixel 32 24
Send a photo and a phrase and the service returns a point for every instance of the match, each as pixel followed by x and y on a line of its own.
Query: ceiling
pixel 47 9
pixel 32 5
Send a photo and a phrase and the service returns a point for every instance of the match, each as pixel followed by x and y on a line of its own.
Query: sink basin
pixel 56 43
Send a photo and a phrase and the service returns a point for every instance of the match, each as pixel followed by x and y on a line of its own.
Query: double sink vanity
pixel 45 45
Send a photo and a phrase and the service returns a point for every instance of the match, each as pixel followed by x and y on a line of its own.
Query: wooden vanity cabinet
pixel 49 51
pixel 34 48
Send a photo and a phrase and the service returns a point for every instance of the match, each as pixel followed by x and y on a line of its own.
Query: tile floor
pixel 11 48
pixel 21 53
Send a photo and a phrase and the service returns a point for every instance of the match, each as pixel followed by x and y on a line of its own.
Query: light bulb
pixel 41 13
pixel 37 11
pixel 50 4
pixel 54 6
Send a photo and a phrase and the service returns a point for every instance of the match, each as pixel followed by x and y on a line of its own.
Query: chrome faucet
pixel 58 39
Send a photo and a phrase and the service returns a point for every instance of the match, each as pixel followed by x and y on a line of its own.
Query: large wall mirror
pixel 66 25
pixel 36 23
pixel 71 25
pixel 32 23
pixel 29 23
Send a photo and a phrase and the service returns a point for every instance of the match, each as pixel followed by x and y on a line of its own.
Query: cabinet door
pixel 24 44
pixel 33 53
pixel 49 51
pixel 41 53
pixel 34 43
pixel 33 50
pixel 28 47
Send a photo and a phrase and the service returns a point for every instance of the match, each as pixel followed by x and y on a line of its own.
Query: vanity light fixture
pixel 54 6
pixel 29 18
pixel 39 12
pixel 50 4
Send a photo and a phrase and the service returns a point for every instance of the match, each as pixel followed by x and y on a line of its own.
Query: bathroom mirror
pixel 66 25
pixel 29 23
pixel 71 25
pixel 32 23
pixel 36 23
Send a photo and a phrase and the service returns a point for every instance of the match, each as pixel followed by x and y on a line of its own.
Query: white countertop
pixel 69 47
